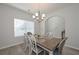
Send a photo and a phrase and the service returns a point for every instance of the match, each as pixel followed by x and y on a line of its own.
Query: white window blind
pixel 23 26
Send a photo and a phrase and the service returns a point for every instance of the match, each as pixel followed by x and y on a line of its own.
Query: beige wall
pixel 7 15
pixel 55 25
pixel 71 16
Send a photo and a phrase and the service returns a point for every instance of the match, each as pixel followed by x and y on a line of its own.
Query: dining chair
pixel 63 34
pixel 29 33
pixel 27 44
pixel 32 44
pixel 35 48
pixel 58 50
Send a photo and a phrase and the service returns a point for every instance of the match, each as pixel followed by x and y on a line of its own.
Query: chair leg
pixel 44 52
pixel 51 53
pixel 60 52
pixel 30 51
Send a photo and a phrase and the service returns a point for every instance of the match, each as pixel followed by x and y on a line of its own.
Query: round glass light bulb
pixel 43 15
pixel 36 14
pixel 33 16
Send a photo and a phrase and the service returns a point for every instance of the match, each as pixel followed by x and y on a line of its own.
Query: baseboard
pixel 11 45
pixel 72 47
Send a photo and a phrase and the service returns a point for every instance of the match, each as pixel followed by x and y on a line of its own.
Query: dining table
pixel 48 44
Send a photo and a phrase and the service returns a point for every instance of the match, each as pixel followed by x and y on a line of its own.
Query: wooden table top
pixel 48 43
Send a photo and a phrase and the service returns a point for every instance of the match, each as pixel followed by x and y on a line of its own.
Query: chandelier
pixel 38 16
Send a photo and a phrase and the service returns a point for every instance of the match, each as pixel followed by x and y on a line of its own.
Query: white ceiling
pixel 43 7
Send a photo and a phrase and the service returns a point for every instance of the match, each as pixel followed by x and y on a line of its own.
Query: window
pixel 23 26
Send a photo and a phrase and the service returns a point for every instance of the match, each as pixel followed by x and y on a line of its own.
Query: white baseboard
pixel 72 47
pixel 10 45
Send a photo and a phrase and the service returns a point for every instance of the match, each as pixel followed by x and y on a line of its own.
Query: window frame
pixel 15 35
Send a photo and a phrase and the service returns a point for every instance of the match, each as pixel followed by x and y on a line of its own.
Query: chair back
pixel 31 43
pixel 63 34
pixel 27 43
pixel 61 44
pixel 29 33
pixel 34 44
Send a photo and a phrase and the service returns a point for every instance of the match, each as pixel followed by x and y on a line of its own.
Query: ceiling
pixel 43 7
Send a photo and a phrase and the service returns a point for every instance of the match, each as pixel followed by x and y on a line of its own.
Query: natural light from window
pixel 23 26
